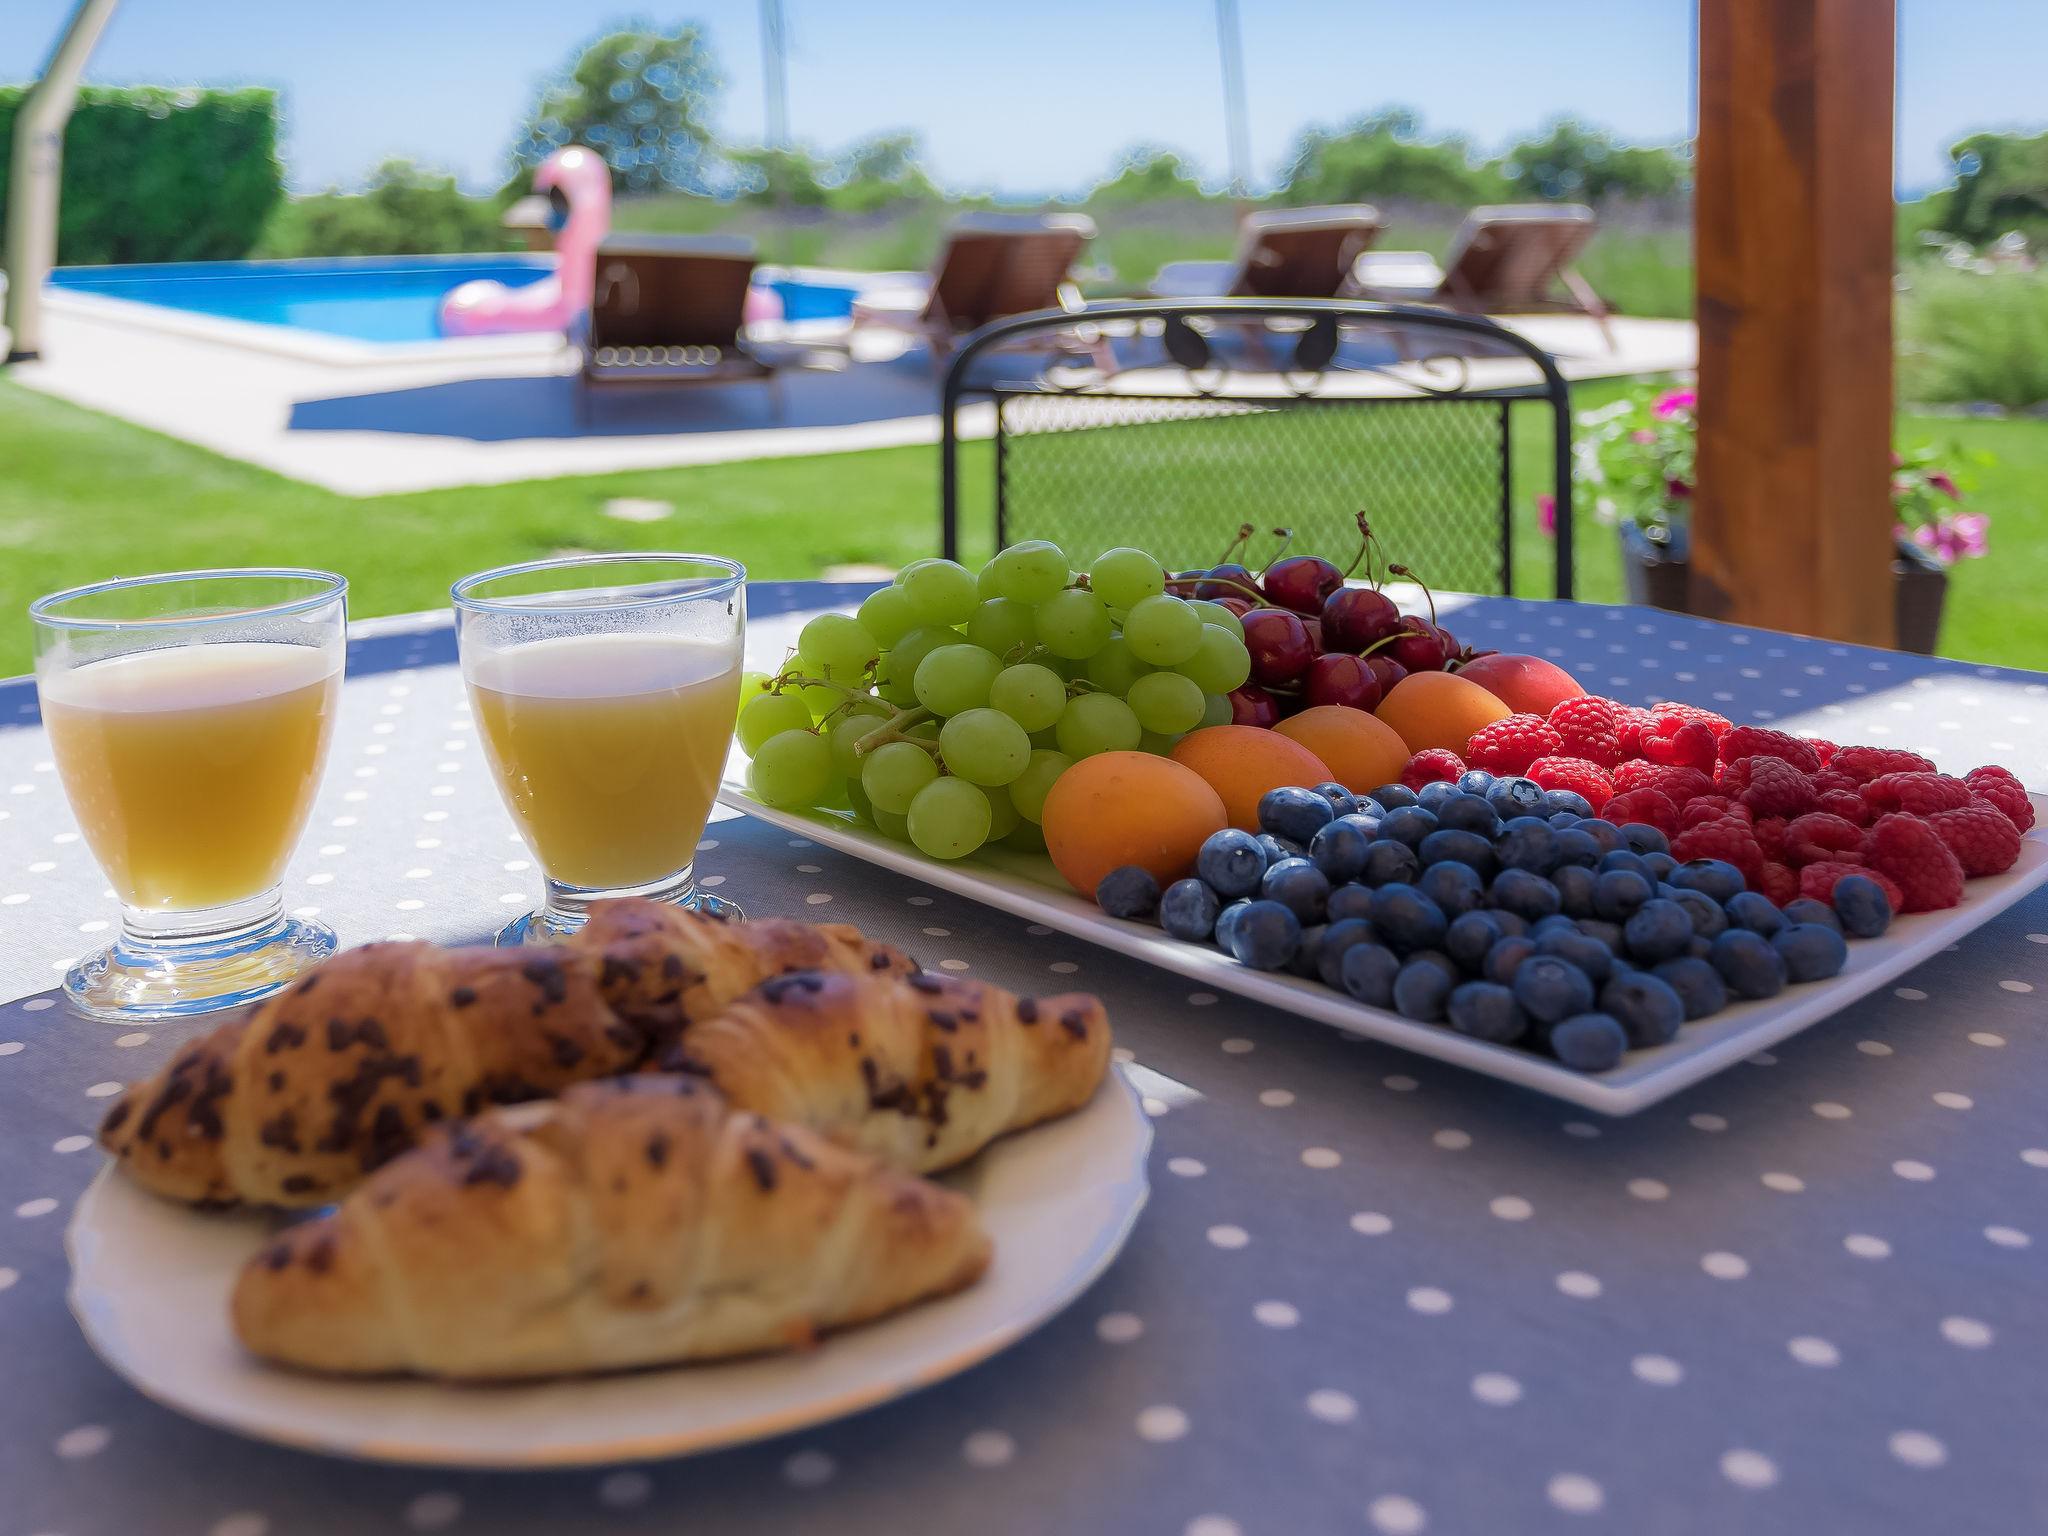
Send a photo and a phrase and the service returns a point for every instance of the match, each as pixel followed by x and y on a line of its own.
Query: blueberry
pixel 1298 886
pixel 1226 922
pixel 1811 951
pixel 1601 932
pixel 1434 794
pixel 1388 861
pixel 1342 801
pixel 1528 896
pixel 1588 1042
pixel 1605 834
pixel 1624 858
pixel 1753 910
pixel 1657 930
pixel 1392 797
pixel 1658 866
pixel 1230 863
pixel 1562 819
pixel 1551 989
pixel 1341 935
pixel 1568 802
pixel 1307 961
pixel 1700 948
pixel 1617 894
pixel 1647 1008
pixel 1468 813
pixel 1294 814
pixel 1716 878
pixel 1506 957
pixel 1806 910
pixel 1468 939
pixel 1265 935
pixel 1410 825
pixel 1467 848
pixel 1277 848
pixel 1555 922
pixel 1367 972
pixel 1748 964
pixel 1708 916
pixel 1486 1010
pixel 1129 891
pixel 1422 988
pixel 1475 781
pixel 1188 910
pixel 1454 887
pixel 1350 901
pixel 1516 797
pixel 1575 848
pixel 1574 884
pixel 1407 919
pixel 1512 924
pixel 1698 985
pixel 1589 955
pixel 1641 837
pixel 1863 907
pixel 1526 843
pixel 1339 851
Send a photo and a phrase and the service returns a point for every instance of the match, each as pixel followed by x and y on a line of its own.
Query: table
pixel 1371 1293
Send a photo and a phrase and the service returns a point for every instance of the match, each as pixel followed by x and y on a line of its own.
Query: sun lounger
pixel 1504 260
pixel 668 309
pixel 1282 253
pixel 990 266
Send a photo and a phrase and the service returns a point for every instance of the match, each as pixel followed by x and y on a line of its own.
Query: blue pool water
pixel 375 299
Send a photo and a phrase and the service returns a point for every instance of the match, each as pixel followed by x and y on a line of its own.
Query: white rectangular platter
pixel 1027 886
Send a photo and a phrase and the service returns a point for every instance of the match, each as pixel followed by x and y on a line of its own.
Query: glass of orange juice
pixel 189 716
pixel 605 688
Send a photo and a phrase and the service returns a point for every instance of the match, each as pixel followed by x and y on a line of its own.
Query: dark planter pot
pixel 1922 590
pixel 1655 574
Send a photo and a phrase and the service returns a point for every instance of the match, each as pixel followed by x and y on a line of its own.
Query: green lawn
pixel 84 497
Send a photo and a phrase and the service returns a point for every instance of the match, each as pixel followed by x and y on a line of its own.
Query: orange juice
pixel 192 769
pixel 608 748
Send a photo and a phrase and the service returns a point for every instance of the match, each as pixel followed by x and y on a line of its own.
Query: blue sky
pixel 1038 97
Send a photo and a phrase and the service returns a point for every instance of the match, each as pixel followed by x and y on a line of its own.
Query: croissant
pixel 344 1069
pixel 633 1222
pixel 923 1072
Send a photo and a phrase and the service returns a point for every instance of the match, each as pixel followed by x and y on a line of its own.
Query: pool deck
pixel 507 409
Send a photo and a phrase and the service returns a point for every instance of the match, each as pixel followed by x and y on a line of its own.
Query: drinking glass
pixel 605 688
pixel 189 715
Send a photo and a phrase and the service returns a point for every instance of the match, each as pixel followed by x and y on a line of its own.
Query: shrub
pixel 405 211
pixel 1383 158
pixel 1971 336
pixel 156 174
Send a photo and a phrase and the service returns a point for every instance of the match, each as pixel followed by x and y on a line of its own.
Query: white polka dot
pixel 11 1047
pixel 1784 1183
pixel 1913 1170
pixel 1399 1083
pixel 1873 1048
pixel 1332 1406
pixel 1984 1037
pixel 132 1039
pixel 510 898
pixel 1276 1314
pixel 809 1469
pixel 817 899
pixel 2035 1157
pixel 1831 1111
pixel 1118 1327
pixel 1511 1208
pixel 1452 1140
pixel 1063 967
pixel 1917 1448
pixel 1153 1107
pixel 1371 1224
pixel 1429 1300
pixel 42 1205
pixel 1276 1098
pixel 1186 1167
pixel 1395 1514
pixel 1724 1266
pixel 1496 1390
pixel 1236 1047
pixel 433 1511
pixel 1579 1285
pixel 1585 1130
pixel 1649 1189
pixel 1212 1525
pixel 1161 1422
pixel 1949 1100
pixel 1808 1350
pixel 1321 1157
pixel 245 1522
pixel 1223 1235
pixel 1966 1332
pixel 1763 1059
pixel 625 1490
pixel 1657 1370
pixel 1910 994
pixel 38 1004
pixel 987 1448
pixel 71 1144
pixel 1200 999
pixel 102 1090
pixel 86 1440
pixel 1707 1122
pixel 13 898
pixel 2008 1237
pixel 1864 1246
pixel 1749 1469
pixel 1576 1494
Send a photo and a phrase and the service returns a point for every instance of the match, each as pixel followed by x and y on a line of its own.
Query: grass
pixel 86 496
pixel 1966 336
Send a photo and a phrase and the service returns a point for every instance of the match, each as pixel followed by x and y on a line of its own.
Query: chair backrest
pixel 1513 254
pixel 1302 253
pixel 1168 424
pixel 993 265
pixel 670 290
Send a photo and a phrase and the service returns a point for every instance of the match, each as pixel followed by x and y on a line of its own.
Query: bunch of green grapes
pixel 946 708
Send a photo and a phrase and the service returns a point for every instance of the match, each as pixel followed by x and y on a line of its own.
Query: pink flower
pixel 1546 514
pixel 1678 490
pixel 1926 537
pixel 1642 435
pixel 1941 482
pixel 1972 533
pixel 1673 402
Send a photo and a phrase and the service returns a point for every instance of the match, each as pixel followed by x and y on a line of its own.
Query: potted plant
pixel 1636 456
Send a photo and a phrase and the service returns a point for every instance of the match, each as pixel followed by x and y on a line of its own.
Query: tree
pixel 1383 156
pixel 640 99
pixel 1573 161
pixel 2001 185
pixel 406 210
pixel 877 171
pixel 1148 174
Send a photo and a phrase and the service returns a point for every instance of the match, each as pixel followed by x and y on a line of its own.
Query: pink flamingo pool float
pixel 578 187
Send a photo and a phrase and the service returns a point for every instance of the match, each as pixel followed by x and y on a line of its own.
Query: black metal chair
pixel 1168 424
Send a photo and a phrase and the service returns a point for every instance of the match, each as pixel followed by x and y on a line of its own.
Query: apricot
pixel 1361 752
pixel 1242 762
pixel 1526 684
pixel 1119 808
pixel 1439 709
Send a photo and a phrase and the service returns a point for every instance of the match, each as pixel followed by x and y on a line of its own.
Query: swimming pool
pixel 379 299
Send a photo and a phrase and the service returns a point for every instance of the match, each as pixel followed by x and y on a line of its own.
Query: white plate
pixel 1028 886
pixel 150 1283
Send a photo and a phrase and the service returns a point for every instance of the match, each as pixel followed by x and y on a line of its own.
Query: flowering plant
pixel 1927 500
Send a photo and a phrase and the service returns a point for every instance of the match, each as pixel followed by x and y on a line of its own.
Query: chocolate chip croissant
pixel 922 1071
pixel 632 1222
pixel 346 1068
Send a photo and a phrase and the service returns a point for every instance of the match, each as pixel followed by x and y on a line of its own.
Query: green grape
pixel 899 667
pixel 924 730
pixel 1096 722
pixel 1166 703
pixel 1002 624
pixel 940 592
pixel 863 807
pixel 1157 744
pixel 1113 668
pixel 1073 624
pixel 887 616
pixel 985 582
pixel 949 819
pixel 793 768
pixel 915 565
pixel 1124 578
pixel 836 645
pixel 752 683
pixel 1215 709
pixel 770 714
pixel 1002 815
pixel 820 700
pixel 836 796
pixel 1030 572
pixel 844 736
pixel 892 774
pixel 1045 741
pixel 955 678
pixel 1163 631
pixel 1220 662
pixel 1029 694
pixel 892 824
pixel 893 687
pixel 1029 789
pixel 1026 837
pixel 985 746
pixel 1216 613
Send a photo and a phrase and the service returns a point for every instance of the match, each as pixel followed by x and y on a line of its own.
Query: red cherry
pixel 1339 678
pixel 1279 643
pixel 1418 646
pixel 1301 582
pixel 1315 632
pixel 1252 705
pixel 1237 604
pixel 1386 669
pixel 1354 617
pixel 1227 581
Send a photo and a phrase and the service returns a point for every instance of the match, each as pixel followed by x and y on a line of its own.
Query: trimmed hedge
pixel 153 173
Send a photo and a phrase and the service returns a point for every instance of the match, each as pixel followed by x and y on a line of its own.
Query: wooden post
pixel 1793 244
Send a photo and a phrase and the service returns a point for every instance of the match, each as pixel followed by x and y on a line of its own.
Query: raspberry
pixel 1430 765
pixel 1832 779
pixel 1824 750
pixel 1819 837
pixel 1712 808
pixel 1818 881
pixel 1779 882
pixel 1846 804
pixel 1755 741
pixel 1680 784
pixel 1589 728
pixel 1720 725
pixel 1574 774
pixel 1912 853
pixel 1866 763
pixel 1511 745
pixel 1774 788
pixel 1918 794
pixel 1770 836
pixel 1631 727
pixel 1979 835
pixel 1681 744
pixel 2004 791
pixel 1651 806
pixel 1725 837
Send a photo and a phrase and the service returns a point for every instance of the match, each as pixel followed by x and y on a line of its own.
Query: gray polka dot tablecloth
pixel 1371 1293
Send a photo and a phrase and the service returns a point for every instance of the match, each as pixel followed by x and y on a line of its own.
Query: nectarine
pixel 1439 709
pixel 1361 752
pixel 1526 684
pixel 1242 762
pixel 1119 808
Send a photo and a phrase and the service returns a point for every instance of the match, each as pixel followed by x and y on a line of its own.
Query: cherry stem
pixel 1259 599
pixel 1364 544
pixel 1428 596
pixel 1244 533
pixel 1286 537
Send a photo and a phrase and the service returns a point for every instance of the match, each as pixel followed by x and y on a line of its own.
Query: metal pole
pixel 775 93
pixel 36 176
pixel 1237 132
